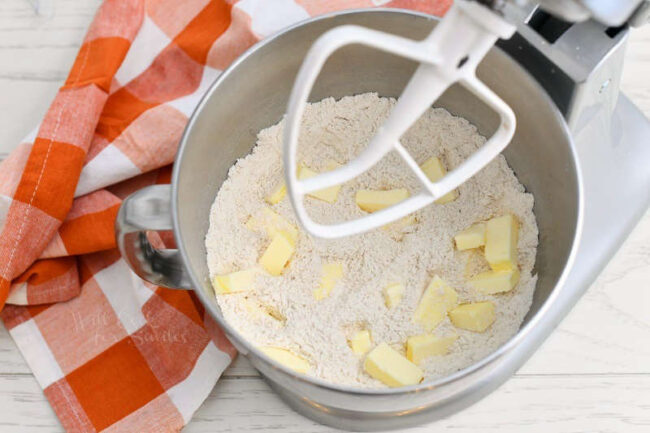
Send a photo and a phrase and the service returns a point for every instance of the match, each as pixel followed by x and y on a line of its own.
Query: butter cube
pixel 234 282
pixel 272 222
pixel 328 194
pixel 277 194
pixel 385 364
pixel 435 171
pixel 360 343
pixel 472 237
pixel 436 301
pixel 492 282
pixel 421 347
pixel 278 253
pixel 501 236
pixel 476 317
pixel 393 294
pixel 332 273
pixel 286 358
pixel 372 201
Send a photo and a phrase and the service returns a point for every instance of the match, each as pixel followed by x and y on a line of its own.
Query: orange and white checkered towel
pixel 112 352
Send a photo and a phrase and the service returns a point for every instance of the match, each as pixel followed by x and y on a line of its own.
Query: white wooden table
pixel 592 375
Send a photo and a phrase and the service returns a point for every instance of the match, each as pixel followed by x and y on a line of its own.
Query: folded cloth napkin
pixel 114 353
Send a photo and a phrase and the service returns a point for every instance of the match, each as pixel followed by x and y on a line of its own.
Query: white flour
pixel 318 330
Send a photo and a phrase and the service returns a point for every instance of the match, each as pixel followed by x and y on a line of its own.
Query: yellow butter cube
pixel 471 237
pixel 324 288
pixel 476 317
pixel 234 282
pixel 274 222
pixel 332 273
pixel 501 237
pixel 271 222
pixel 328 194
pixel 372 201
pixel 387 365
pixel 286 358
pixel 421 347
pixel 277 194
pixel 360 343
pixel 436 301
pixel 393 294
pixel 278 253
pixel 435 171
pixel 492 282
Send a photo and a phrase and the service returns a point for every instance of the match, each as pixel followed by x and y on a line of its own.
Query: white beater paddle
pixel 448 55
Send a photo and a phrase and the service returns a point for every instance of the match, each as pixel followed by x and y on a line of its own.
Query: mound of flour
pixel 336 131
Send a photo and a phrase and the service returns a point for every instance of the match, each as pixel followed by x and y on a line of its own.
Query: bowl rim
pixel 506 347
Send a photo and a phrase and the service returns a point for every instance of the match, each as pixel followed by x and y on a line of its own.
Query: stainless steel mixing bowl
pixel 251 95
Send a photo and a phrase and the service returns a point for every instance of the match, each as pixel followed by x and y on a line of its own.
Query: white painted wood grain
pixel 530 403
pixel 592 375
pixel 35 55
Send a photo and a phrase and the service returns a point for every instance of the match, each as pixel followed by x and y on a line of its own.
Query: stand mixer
pixel 588 77
pixel 584 153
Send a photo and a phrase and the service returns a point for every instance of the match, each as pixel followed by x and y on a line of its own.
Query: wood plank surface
pixel 530 403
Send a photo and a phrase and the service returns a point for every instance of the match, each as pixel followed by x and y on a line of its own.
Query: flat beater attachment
pixel 450 54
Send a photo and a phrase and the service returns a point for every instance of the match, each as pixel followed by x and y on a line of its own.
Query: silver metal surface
pixel 616 168
pixel 581 70
pixel 149 209
pixel 252 94
pixel 641 16
pixel 610 12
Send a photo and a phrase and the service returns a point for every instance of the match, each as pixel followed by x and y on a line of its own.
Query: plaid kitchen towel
pixel 114 353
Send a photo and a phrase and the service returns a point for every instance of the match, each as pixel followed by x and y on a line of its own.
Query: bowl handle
pixel 149 209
